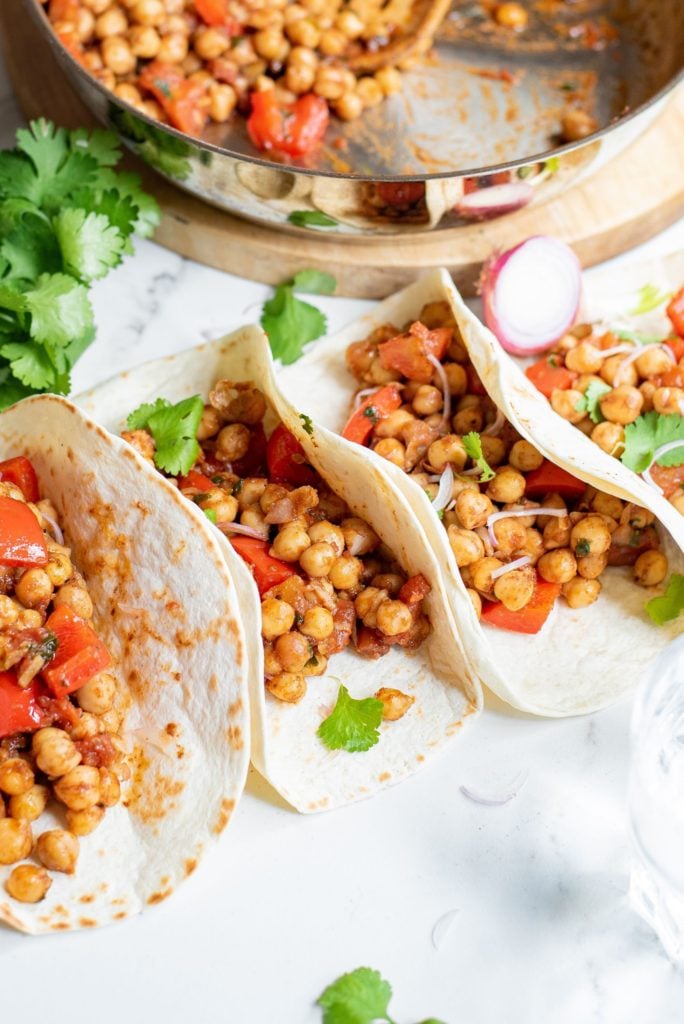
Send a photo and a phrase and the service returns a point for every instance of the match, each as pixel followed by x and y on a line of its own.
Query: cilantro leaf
pixel 307 423
pixel 290 324
pixel 59 308
pixel 90 244
pixel 174 429
pixel 360 997
pixel 669 605
pixel 353 724
pixel 30 249
pixel 314 282
pixel 589 402
pixel 472 443
pixel 311 219
pixel 103 146
pixel 648 433
pixel 140 417
pixel 650 297
pixel 12 390
pixel 30 364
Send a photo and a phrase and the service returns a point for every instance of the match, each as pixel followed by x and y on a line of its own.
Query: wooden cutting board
pixel 621 205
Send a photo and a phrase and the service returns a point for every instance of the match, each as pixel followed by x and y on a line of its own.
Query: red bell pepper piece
pixel 21 538
pixel 400 193
pixel 675 311
pixel 196 480
pixel 216 13
pixel 408 353
pixel 294 129
pixel 20 472
pixel 286 460
pixel 672 378
pixel 677 346
pixel 547 378
pixel 529 619
pixel 80 652
pixel 551 479
pixel 414 590
pixel 373 408
pixel 178 96
pixel 267 571
pixel 19 708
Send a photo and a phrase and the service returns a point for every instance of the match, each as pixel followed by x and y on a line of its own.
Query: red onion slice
pixel 531 294
pixel 518 513
pixel 633 356
pixel 494 428
pixel 246 531
pixel 446 391
pixel 54 527
pixel 657 454
pixel 617 350
pixel 517 563
pixel 446 488
pixel 495 200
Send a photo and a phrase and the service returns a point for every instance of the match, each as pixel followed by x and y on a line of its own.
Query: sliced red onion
pixel 531 294
pixel 363 394
pixel 617 350
pixel 496 427
pixel 446 391
pixel 246 531
pixel 446 489
pixel 657 454
pixel 633 356
pixel 519 513
pixel 517 563
pixel 495 200
pixel 54 527
pixel 496 801
pixel 442 927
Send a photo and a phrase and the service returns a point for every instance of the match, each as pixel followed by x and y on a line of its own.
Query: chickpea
pixel 317 560
pixel 300 79
pixel 556 533
pixel 392 582
pixel 223 102
pixel 82 823
pixel 54 752
pixel 59 567
pixel 110 788
pixel 9 613
pixel 117 55
pixel 650 568
pixel 112 22
pixel 277 617
pixel 525 457
pixel 585 358
pixel 210 423
pixel 449 449
pixel 389 81
pixel 648 390
pixel 16 840
pixel 58 850
pixel 576 125
pixel 251 491
pixel 493 449
pixel 332 42
pixel 476 601
pixel 393 618
pixel 623 404
pixel 669 401
pixel 636 517
pixel 392 450
pixel 144 41
pixel 75 597
pixel 28 883
pixel 148 12
pixel 209 43
pixel 142 442
pixel 303 32
pixel 318 623
pixel 85 25
pixel 580 592
pixel 367 604
pixel 359 537
pixel 293 651
pixel 369 91
pixel 232 442
pixel 466 545
pixel 565 403
pixel 467 419
pixel 481 574
pixel 345 572
pixel 34 588
pixel 653 362
pixel 97 695
pixel 30 619
pixel 590 567
pixel 507 486
pixel 30 804
pixel 473 508
pixel 510 535
pixel 557 566
pixel 534 544
pixel 610 437
pixel 511 15
pixel 327 533
pixel 607 505
pixel 271 44
pixel 291 542
pixel 16 776
pixel 515 589
pixel 427 400
pixel 614 371
pixel 349 24
pixel 585 379
pixel 288 686
pixel 79 788
pixel 395 704
pixel 590 536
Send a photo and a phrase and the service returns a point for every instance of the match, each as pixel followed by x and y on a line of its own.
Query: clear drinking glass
pixel 656 800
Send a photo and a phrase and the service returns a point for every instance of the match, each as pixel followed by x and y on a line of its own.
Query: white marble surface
pixel 286 903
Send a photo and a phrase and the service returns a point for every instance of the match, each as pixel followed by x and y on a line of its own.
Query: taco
pixel 331 567
pixel 548 563
pixel 123 705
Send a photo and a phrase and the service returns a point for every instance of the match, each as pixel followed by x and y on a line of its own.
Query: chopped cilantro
pixel 359 997
pixel 583 547
pixel 569 86
pixel 307 423
pixel 298 619
pixel 291 323
pixel 589 402
pixel 650 297
pixel 372 413
pixel 311 219
pixel 472 443
pixel 552 165
pixel 237 487
pixel 46 647
pixel 174 429
pixel 648 433
pixel 353 724
pixel 312 662
pixel 553 361
pixel 667 607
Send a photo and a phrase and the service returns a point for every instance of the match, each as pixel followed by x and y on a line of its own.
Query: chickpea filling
pixel 522 530
pixel 59 742
pixel 325 578
pixel 602 382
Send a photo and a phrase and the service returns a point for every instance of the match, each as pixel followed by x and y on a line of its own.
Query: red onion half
pixel 531 294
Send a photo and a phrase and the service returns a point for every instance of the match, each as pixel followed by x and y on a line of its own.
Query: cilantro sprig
pixel 359 997
pixel 291 323
pixel 589 402
pixel 648 433
pixel 668 606
pixel 353 724
pixel 66 219
pixel 174 429
pixel 472 443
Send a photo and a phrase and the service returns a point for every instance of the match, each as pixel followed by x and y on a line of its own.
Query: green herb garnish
pixel 353 724
pixel 291 323
pixel 210 513
pixel 648 433
pixel 360 997
pixel 311 219
pixel 372 413
pixel 46 648
pixel 668 606
pixel 307 423
pixel 590 400
pixel 582 548
pixel 472 443
pixel 174 429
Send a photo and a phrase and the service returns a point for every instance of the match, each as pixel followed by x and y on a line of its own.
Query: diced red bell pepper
pixel 677 346
pixel 373 408
pixel 21 539
pixel 20 472
pixel 19 708
pixel 672 378
pixel 414 590
pixel 178 96
pixel 407 354
pixel 675 311
pixel 286 460
pixel 529 619
pixel 294 129
pixel 669 478
pixel 551 479
pixel 547 378
pixel 196 480
pixel 217 14
pixel 267 571
pixel 80 652
pixel 400 193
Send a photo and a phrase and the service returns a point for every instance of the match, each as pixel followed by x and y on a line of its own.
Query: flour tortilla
pixel 172 624
pixel 285 747
pixel 581 660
